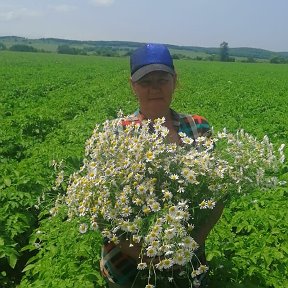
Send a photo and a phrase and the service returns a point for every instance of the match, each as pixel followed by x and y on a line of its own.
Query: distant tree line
pixel 23 48
pixel 99 51
pixel 224 56
pixel 20 48
pixel 108 51
pixel 278 60
pixel 221 54
pixel 2 46
pixel 66 49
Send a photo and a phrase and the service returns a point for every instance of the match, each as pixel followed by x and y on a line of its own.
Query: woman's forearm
pixel 208 224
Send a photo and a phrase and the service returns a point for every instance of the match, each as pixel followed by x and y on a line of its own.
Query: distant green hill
pixel 120 48
pixel 235 52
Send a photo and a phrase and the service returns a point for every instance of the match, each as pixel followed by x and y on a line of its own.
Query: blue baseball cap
pixel 149 58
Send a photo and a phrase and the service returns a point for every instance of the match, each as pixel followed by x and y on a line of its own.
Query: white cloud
pixel 17 13
pixel 63 8
pixel 102 2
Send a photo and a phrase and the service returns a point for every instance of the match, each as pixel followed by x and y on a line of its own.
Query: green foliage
pixel 250 244
pixel 256 53
pixel 49 106
pixel 250 60
pixel 235 96
pixel 106 51
pixel 278 60
pixel 124 48
pixel 64 258
pixel 40 122
pixel 180 56
pixel 66 49
pixel 224 52
pixel 22 48
pixel 2 46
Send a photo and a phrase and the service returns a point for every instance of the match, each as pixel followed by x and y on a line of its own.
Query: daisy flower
pixel 83 228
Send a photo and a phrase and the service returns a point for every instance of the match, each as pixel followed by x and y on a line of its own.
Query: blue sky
pixel 207 23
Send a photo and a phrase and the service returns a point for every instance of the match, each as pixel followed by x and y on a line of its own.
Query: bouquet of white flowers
pixel 142 188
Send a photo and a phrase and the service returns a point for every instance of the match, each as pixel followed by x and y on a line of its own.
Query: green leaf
pixel 92 277
pixel 251 270
pixel 7 182
pixel 285 249
pixel 12 260
pixel 32 259
pixel 268 258
pixel 28 267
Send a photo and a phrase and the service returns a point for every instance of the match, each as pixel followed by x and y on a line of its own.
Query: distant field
pixel 49 104
pixel 120 48
pixel 51 46
pixel 190 54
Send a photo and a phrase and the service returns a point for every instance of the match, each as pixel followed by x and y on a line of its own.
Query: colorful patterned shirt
pixel 192 125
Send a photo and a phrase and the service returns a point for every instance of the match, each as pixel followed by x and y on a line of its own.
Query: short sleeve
pixel 202 125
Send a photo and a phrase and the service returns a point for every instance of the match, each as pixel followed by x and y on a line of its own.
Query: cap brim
pixel 150 68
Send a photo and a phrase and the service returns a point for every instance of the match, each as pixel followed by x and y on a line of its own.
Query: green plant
pixel 251 241
pixel 50 104
pixel 62 256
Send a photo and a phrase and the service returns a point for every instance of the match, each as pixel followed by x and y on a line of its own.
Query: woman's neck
pixel 154 115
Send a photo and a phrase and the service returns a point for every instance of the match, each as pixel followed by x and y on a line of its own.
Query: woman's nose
pixel 155 84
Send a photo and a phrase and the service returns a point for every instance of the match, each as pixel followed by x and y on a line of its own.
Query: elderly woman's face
pixel 154 91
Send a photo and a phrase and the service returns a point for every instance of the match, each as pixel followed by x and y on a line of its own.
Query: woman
pixel 153 80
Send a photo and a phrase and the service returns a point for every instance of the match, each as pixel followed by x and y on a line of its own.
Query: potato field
pixel 49 105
